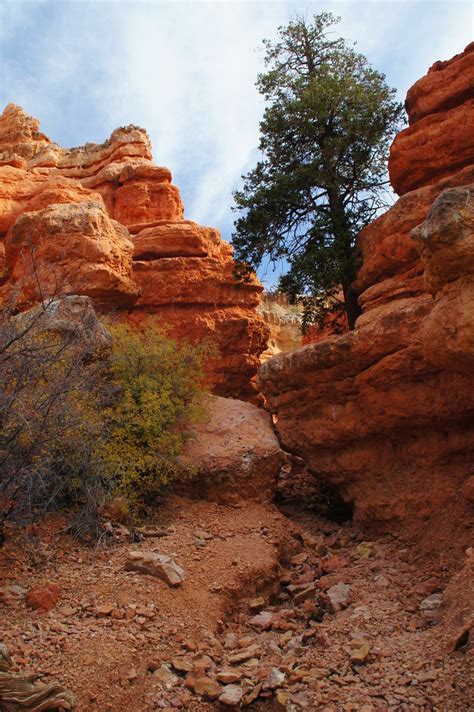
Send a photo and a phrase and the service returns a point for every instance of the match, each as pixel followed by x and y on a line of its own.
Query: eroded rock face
pixel 70 249
pixel 235 452
pixel 440 138
pixel 386 412
pixel 103 220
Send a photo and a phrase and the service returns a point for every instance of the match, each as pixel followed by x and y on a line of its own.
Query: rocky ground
pixel 278 610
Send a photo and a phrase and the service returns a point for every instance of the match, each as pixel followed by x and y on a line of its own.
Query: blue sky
pixel 186 72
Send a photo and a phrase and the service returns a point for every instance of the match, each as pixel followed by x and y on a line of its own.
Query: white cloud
pixel 186 71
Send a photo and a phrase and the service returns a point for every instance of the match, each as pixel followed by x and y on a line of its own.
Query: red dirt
pixel 110 624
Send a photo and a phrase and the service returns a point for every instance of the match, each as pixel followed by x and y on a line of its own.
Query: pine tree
pixel 325 136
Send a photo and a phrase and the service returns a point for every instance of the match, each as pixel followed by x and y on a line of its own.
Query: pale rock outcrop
pixel 284 321
pixel 234 452
pixel 386 412
pixel 72 317
pixel 20 135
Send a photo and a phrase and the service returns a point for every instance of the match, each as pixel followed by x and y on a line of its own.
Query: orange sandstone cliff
pixel 386 412
pixel 106 222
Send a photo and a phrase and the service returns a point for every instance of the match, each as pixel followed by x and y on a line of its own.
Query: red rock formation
pixel 70 249
pixel 104 221
pixel 440 138
pixel 20 136
pixel 386 412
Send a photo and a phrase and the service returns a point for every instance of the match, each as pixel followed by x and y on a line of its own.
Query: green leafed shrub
pixel 76 431
pixel 158 388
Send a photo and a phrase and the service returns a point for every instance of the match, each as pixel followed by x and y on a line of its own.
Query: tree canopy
pixel 324 139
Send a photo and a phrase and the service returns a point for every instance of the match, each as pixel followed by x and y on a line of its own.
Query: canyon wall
pixel 106 222
pixel 386 411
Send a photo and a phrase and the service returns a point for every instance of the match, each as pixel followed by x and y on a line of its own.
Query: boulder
pixel 445 240
pixel 235 452
pixel 440 139
pixel 446 85
pixel 20 134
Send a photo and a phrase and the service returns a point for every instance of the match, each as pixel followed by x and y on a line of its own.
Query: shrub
pixel 49 412
pixel 76 430
pixel 158 389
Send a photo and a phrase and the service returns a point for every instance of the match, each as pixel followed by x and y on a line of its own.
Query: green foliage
pixel 76 430
pixel 158 388
pixel 325 137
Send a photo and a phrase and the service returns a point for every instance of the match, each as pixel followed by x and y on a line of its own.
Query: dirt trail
pixel 257 611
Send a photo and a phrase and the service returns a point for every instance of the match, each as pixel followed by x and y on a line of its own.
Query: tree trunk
pixel 351 306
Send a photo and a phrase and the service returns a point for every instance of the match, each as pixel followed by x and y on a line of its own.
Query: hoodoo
pixel 385 412
pixel 106 222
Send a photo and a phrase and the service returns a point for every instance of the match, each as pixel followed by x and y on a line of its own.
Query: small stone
pixel 207 688
pixel 253 651
pixel 256 604
pixel 306 593
pixel 381 582
pixel 159 565
pixel 262 621
pixel 66 611
pixel 299 559
pixel 229 676
pixel 245 641
pixel 365 550
pixel 430 606
pixel 11 594
pixel 231 695
pixel 43 598
pixel 252 695
pixel 275 678
pixel 333 563
pixel 104 610
pixel 316 673
pixel 182 664
pixel 149 532
pixel 281 700
pixel 230 641
pixel 132 675
pixel 360 653
pixel 427 676
pixel 166 677
pixel 339 596
pixel 201 534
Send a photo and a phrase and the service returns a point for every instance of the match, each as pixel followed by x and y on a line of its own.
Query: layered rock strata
pixel 284 321
pixel 386 412
pixel 104 221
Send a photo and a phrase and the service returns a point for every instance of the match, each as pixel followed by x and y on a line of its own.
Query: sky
pixel 186 71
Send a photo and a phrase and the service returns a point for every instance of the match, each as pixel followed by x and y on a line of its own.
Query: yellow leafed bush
pixel 158 388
